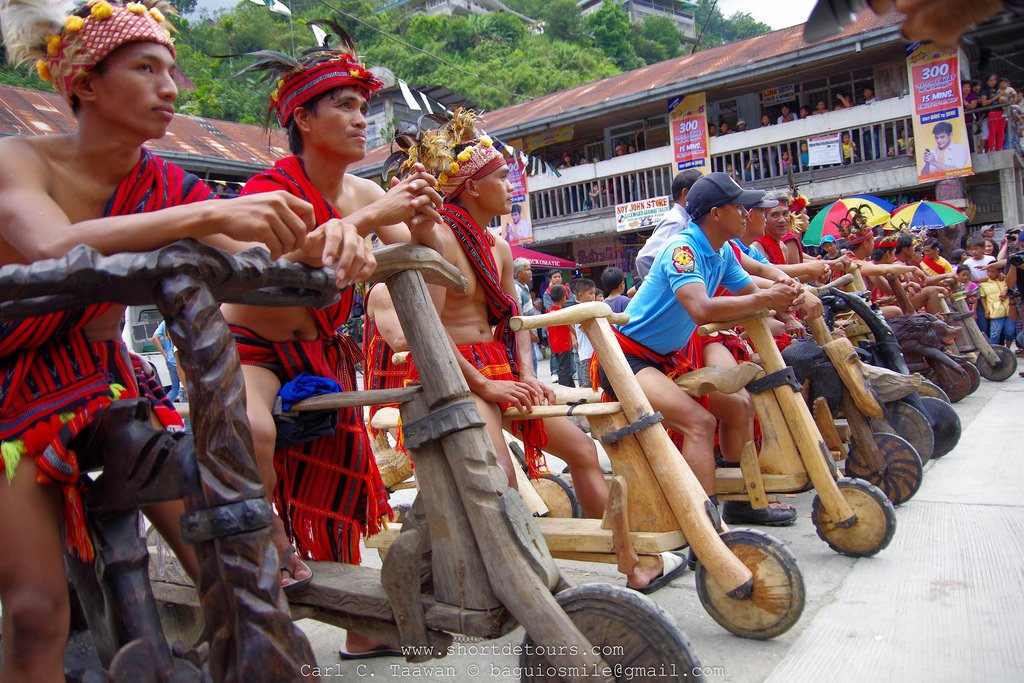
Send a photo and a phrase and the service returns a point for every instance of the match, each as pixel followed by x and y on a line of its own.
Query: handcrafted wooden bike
pixel 746 580
pixel 470 558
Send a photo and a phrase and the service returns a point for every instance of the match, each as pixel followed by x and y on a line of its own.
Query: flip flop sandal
pixel 369 654
pixel 674 563
pixel 296 583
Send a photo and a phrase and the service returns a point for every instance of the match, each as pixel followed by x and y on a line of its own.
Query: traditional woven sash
pixel 53 379
pixel 772 249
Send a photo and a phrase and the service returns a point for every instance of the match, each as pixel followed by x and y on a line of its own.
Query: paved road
pixel 945 601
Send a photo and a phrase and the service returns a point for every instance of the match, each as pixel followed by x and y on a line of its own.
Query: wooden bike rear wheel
pixel 558 495
pixel 1002 369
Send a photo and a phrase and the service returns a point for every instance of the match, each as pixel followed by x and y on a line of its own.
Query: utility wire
pixel 419 49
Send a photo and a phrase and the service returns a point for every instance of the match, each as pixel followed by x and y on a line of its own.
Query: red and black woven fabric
pixel 489 359
pixel 476 242
pixel 53 379
pixel 772 249
pixel 329 491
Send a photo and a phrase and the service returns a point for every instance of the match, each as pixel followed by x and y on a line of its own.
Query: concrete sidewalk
pixel 945 601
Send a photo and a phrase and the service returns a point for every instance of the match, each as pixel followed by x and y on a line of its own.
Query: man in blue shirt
pixel 677 297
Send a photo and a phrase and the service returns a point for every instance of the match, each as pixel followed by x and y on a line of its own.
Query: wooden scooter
pixel 746 580
pixel 485 566
pixel 851 515
pixel 872 447
pixel 995 362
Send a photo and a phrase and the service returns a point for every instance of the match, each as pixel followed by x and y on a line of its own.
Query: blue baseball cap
pixel 828 238
pixel 718 189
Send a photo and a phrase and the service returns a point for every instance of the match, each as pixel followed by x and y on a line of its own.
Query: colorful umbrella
pixel 540 260
pixel 925 214
pixel 826 221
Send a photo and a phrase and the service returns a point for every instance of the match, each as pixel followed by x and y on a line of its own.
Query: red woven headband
pixel 297 89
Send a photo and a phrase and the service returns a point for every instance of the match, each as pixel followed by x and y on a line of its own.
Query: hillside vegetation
pixel 493 60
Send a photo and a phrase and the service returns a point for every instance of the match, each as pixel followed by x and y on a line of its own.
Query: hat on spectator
pixel 718 189
pixel 828 238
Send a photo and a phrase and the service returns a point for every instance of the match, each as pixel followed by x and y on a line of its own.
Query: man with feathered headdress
pixel 326 488
pixel 873 255
pixel 472 172
pixel 113 65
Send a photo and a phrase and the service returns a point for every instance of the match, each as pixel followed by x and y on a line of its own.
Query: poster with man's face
pixel 516 226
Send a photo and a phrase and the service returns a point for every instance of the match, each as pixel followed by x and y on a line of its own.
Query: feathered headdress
pixel 854 227
pixel 64 42
pixel 453 153
pixel 315 72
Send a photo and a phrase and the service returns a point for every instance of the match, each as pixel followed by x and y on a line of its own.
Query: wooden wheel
pixel 947 425
pixel 777 598
pixel 631 633
pixel 1002 369
pixel 911 424
pixel 901 477
pixel 873 528
pixel 973 373
pixel 957 385
pixel 558 495
pixel 931 389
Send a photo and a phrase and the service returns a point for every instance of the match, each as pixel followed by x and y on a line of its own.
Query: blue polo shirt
pixel 656 318
pixel 751 252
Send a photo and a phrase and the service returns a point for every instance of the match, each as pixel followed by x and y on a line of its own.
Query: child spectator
pixel 613 283
pixel 849 149
pixel 958 257
pixel 805 156
pixel 997 307
pixel 586 291
pixel 562 339
pixel 979 260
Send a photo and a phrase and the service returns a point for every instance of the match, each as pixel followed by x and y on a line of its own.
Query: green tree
pixel 714 29
pixel 184 6
pixel 563 21
pixel 612 33
pixel 656 39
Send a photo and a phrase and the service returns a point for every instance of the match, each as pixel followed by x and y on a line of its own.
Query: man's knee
pixel 37 619
pixel 264 431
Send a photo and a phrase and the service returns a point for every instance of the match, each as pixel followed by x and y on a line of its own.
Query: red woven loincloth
pixel 329 491
pixel 490 359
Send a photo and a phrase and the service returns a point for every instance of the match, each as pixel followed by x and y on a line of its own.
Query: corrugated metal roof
pixel 663 74
pixel 32 112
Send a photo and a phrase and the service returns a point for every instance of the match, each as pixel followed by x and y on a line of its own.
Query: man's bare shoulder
pixel 363 191
pixel 27 158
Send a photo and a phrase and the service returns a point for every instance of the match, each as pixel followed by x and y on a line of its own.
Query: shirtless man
pixel 96 186
pixel 924 290
pixel 323 107
pixel 870 257
pixel 495 361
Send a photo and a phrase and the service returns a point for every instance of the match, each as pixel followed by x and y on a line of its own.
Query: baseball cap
pixel 827 238
pixel 719 189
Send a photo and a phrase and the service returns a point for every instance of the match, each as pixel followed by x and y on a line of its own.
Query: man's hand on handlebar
pixel 337 244
pixel 277 219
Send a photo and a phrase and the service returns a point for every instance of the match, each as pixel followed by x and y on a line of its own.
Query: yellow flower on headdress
pixel 465 155
pixel 101 10
pixel 73 23
pixel 454 168
pixel 157 15
pixel 443 178
pixel 485 141
pixel 135 8
pixel 43 70
pixel 53 45
pixel 354 73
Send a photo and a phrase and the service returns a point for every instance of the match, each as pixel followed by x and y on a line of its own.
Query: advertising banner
pixel 687 118
pixel 940 131
pixel 549 137
pixel 825 150
pixel 782 93
pixel 515 226
pixel 641 214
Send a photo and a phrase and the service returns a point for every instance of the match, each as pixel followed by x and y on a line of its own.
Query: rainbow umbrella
pixel 924 215
pixel 826 221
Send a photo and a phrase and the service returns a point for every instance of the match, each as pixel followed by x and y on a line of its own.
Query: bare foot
pixel 293 569
pixel 357 642
pixel 643 575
